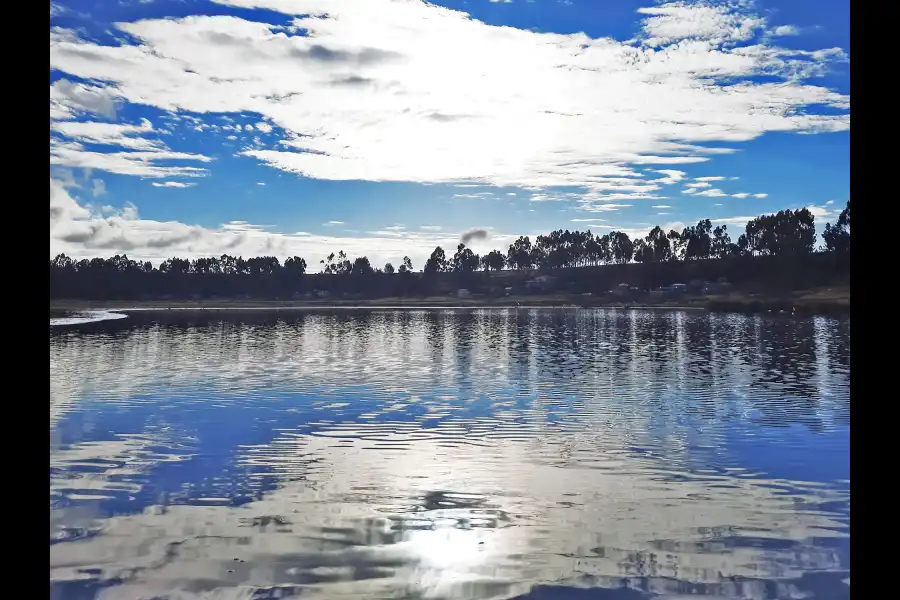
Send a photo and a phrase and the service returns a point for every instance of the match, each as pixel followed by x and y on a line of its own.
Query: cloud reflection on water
pixel 466 455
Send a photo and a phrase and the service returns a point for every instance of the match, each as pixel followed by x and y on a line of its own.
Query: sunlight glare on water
pixel 450 454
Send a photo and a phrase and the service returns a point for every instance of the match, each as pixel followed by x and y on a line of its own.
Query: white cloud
pixel 172 184
pixel 733 220
pixel 98 188
pixel 65 177
pixel 662 206
pixel 79 233
pixel 671 176
pixel 640 233
pixel 829 202
pixel 507 107
pixel 330 223
pixel 712 193
pixel 682 21
pixel 786 30
pixel 372 94
pixel 587 220
pixel 551 197
pixel 760 195
pixel 260 183
pixel 717 178
pixel 590 199
pixel 795 65
pixel 108 134
pixel 68 99
pixel 822 213
pixel 63 207
pixel 740 195
pixel 699 184
pixel 604 207
pixel 474 195
pixel 510 193
pixel 135 154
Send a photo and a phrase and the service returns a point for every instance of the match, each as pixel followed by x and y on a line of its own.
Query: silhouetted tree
pixel 361 267
pixel 697 241
pixel 786 233
pixel 721 243
pixel 493 260
pixel 678 244
pixel 621 247
pixel 436 263
pixel 657 245
pixel 406 266
pixel 518 256
pixel 464 261
pixel 837 236
pixel 295 265
pixel 643 252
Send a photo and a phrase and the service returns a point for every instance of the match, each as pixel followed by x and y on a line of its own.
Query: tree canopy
pixel 783 234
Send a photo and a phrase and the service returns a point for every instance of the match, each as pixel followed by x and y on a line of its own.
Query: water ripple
pixel 91 316
pixel 450 454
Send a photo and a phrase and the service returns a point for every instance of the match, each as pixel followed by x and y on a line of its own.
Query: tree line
pixel 788 233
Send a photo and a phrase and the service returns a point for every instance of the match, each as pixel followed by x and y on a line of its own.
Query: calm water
pixel 450 454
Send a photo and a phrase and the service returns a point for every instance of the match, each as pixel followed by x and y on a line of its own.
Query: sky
pixel 387 127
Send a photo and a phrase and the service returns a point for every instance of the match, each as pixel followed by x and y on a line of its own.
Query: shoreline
pixel 814 302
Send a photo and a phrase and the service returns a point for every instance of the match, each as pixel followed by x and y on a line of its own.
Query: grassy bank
pixel 820 301
pixel 831 300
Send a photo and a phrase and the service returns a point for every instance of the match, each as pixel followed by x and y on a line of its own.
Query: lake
pixel 459 454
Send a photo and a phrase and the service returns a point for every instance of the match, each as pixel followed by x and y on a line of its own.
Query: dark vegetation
pixel 774 254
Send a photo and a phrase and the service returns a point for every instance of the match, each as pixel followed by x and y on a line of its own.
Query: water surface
pixel 450 454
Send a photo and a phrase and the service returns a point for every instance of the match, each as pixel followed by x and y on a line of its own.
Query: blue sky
pixel 387 127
